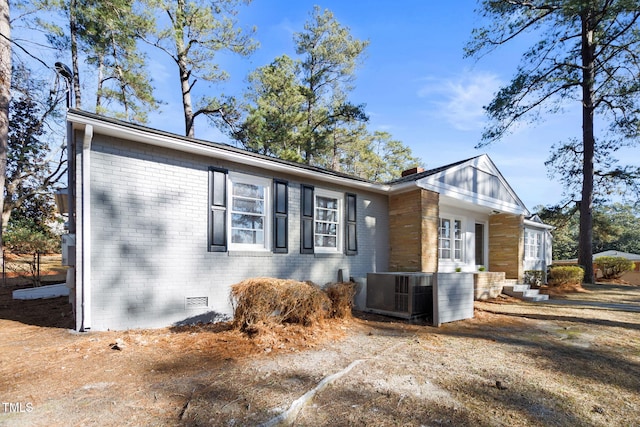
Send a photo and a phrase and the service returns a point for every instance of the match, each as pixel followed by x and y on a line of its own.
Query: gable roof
pixel 145 135
pixel 476 180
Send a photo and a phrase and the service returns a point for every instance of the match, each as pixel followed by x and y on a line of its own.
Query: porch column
pixel 506 245
pixel 413 231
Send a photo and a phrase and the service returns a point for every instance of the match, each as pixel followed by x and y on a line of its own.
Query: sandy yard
pixel 514 364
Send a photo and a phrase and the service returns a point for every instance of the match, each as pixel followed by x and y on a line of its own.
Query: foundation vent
pixel 196 302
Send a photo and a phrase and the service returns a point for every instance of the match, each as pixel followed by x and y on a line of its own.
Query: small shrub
pixel 613 267
pixel 534 277
pixel 23 240
pixel 565 275
pixel 458 269
pixel 482 268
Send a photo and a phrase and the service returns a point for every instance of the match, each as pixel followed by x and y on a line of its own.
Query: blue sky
pixel 415 83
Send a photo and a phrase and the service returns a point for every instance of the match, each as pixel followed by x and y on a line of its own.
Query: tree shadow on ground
pixel 563 354
pixel 49 312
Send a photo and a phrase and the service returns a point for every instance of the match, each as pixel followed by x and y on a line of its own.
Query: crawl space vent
pixel 196 302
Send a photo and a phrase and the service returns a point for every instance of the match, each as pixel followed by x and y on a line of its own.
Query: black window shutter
pixel 280 217
pixel 351 225
pixel 306 219
pixel 217 210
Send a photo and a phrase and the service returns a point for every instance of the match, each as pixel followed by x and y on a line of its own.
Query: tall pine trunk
pixel 186 99
pixel 5 96
pixel 585 251
pixel 73 30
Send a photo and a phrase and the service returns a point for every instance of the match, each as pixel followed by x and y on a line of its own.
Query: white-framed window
pixel 328 221
pixel 249 220
pixel 532 244
pixel 450 239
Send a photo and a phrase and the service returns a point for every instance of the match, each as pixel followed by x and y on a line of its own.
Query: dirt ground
pixel 513 364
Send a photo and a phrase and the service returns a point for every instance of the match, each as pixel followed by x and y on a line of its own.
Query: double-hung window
pixel 532 244
pixel 450 239
pixel 249 214
pixel 328 221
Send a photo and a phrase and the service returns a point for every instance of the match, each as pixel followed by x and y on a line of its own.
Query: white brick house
pixel 164 224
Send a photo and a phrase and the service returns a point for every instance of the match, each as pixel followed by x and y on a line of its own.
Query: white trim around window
pixel 533 244
pixel 249 210
pixel 450 239
pixel 328 221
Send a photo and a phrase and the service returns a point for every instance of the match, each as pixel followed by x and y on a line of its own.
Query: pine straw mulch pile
pixel 261 303
pixel 563 290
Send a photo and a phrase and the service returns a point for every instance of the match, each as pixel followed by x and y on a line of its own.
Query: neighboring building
pixel 163 225
pixel 631 257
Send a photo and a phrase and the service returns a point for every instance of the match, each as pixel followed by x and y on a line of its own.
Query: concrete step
pixel 524 292
pixel 536 298
pixel 508 289
pixel 531 292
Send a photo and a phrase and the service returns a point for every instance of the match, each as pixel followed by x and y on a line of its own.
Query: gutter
pixel 203 148
pixel 535 224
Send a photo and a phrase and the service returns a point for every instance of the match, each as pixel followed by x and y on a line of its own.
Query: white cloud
pixel 459 100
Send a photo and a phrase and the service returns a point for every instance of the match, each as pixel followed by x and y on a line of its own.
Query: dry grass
pixel 20 269
pixel 514 363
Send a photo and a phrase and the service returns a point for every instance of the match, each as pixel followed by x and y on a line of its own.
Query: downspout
pixel 86 228
pixel 71 219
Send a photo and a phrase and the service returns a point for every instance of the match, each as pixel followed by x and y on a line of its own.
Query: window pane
pixel 251 222
pixel 248 190
pixel 326 228
pixel 244 205
pixel 326 241
pixel 445 228
pixel 247 237
pixel 458 229
pixel 326 202
pixel 326 215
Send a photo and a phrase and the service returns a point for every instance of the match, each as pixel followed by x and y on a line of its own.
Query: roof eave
pixel 193 146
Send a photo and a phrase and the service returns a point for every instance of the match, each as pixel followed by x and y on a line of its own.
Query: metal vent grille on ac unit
pixel 196 302
pixel 401 294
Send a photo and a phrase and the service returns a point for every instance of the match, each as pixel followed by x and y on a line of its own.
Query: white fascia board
pixel 204 149
pixel 539 225
pixel 472 198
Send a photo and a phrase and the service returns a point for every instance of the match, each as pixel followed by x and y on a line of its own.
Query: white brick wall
pixel 149 238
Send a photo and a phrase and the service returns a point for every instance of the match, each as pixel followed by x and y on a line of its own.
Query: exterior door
pixel 479 232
